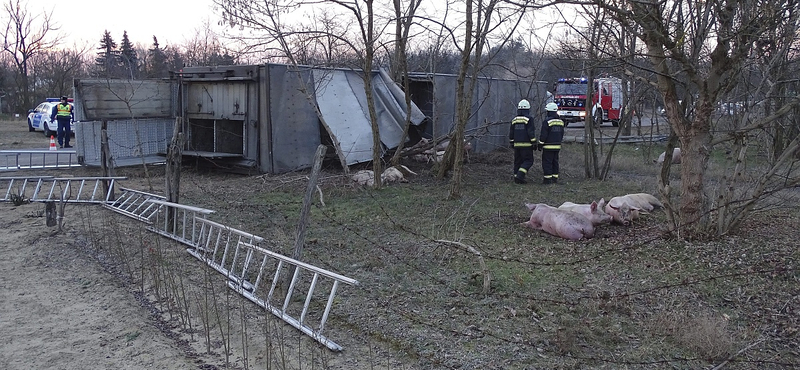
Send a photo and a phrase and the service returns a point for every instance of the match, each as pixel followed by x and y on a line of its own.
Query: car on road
pixel 39 117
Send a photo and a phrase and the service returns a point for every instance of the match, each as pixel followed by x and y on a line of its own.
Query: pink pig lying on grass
pixel 627 208
pixel 594 212
pixel 562 223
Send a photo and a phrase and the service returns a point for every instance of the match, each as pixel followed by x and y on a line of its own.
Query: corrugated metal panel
pixel 114 99
pixel 130 141
pixel 217 100
pixel 494 103
pixel 342 111
pixel 293 123
pixel 343 103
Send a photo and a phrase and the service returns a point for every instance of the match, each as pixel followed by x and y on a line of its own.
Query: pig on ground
pixel 676 156
pixel 445 143
pixel 389 175
pixel 594 212
pixel 562 223
pixel 435 153
pixel 364 178
pixel 627 208
pixel 395 174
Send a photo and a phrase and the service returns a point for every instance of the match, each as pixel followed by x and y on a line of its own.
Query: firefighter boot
pixel 519 178
pixel 547 181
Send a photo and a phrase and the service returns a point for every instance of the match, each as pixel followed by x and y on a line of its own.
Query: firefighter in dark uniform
pixel 63 113
pixel 523 140
pixel 550 143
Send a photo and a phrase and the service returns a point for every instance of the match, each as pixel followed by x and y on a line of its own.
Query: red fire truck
pixel 570 95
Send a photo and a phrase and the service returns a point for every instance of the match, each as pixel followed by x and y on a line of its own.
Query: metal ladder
pixel 218 246
pixel 37 159
pixel 135 204
pixel 19 186
pixel 234 253
pixel 309 317
pixel 182 227
pixel 67 189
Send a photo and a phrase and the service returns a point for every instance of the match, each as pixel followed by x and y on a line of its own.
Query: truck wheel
pixel 615 122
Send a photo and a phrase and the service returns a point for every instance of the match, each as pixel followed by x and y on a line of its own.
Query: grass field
pixel 631 298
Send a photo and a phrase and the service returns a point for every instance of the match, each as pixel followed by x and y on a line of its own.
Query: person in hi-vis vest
pixel 550 143
pixel 522 139
pixel 63 113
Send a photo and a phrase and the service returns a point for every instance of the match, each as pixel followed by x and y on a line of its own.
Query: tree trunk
pixel 106 164
pixel 695 146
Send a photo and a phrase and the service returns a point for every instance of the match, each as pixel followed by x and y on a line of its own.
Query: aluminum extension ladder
pixel 135 204
pixel 67 189
pixel 247 266
pixel 37 159
pixel 233 253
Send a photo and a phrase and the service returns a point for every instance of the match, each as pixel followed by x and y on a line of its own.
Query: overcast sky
pixel 84 21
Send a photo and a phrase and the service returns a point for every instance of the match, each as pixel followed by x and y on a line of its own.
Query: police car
pixel 39 117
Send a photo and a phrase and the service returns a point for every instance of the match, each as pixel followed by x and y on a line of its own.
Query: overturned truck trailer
pixel 270 118
pixel 493 105
pixel 263 118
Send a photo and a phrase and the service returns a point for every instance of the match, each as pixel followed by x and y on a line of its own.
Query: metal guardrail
pixel 11 160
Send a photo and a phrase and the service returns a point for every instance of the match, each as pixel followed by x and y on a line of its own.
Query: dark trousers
pixel 523 159
pixel 63 131
pixel 550 163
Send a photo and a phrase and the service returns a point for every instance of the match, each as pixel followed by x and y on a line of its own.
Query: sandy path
pixel 59 310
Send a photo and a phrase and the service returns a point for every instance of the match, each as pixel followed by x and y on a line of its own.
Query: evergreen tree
pixel 128 59
pixel 175 59
pixel 107 60
pixel 156 61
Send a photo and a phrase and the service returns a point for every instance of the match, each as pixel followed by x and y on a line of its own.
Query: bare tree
pixel 54 70
pixel 481 20
pixel 698 50
pixel 206 48
pixel 404 18
pixel 24 37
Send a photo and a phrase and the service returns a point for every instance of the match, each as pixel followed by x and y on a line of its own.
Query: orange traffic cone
pixel 53 143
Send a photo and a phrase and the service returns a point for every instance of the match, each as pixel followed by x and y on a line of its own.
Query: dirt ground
pixel 58 308
pixel 613 302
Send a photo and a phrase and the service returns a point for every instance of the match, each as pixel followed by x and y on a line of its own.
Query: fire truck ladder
pixel 247 266
pixel 67 189
pixel 135 204
pixel 37 159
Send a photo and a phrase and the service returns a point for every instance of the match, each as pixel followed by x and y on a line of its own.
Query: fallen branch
pixel 487 278
pixel 735 355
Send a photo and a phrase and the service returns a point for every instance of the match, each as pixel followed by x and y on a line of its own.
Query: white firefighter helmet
pixel 524 104
pixel 551 107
